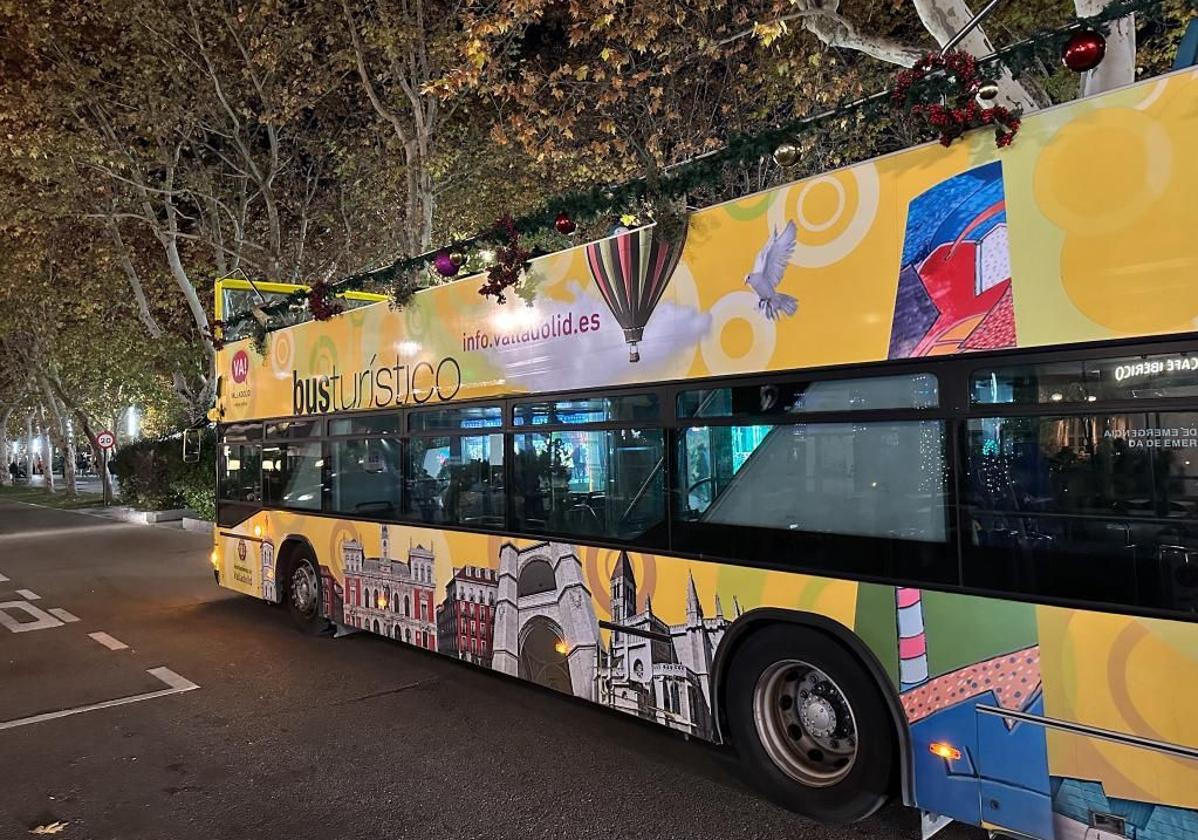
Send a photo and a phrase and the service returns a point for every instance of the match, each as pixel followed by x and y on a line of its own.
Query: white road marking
pixel 108 641
pixel 42 620
pixel 29 595
pixel 3 579
pixel 62 615
pixel 176 685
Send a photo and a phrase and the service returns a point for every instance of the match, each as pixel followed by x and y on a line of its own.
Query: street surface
pixel 243 728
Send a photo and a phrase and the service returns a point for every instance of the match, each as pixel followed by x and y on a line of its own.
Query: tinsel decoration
pixel 215 334
pixel 322 301
pixel 941 88
pixel 402 288
pixel 258 334
pixel 511 260
pixel 593 208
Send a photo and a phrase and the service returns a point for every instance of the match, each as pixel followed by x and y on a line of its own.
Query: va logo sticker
pixel 240 366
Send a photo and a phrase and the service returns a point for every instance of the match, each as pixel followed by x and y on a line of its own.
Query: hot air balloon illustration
pixel 632 270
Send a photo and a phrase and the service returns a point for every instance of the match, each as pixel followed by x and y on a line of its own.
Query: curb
pixel 202 526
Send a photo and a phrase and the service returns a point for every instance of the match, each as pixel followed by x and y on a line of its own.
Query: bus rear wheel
pixel 810 725
pixel 303 594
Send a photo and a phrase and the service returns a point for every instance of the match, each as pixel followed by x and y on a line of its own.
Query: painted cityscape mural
pixel 532 615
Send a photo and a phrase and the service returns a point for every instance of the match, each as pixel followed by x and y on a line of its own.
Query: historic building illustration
pixel 390 596
pixel 266 556
pixel 466 618
pixel 545 625
pixel 332 596
pixel 657 670
pixel 546 631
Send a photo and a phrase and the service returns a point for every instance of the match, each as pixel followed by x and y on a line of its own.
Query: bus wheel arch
pixel 775 620
pixel 296 552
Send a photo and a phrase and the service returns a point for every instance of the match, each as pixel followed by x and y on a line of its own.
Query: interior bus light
pixel 946 751
pixel 257 530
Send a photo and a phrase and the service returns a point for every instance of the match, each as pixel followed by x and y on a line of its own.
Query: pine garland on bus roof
pixel 1043 48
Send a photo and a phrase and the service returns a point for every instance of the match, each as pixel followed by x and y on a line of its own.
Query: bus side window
pixel 455 480
pixel 1094 508
pixel 364 476
pixel 588 482
pixel 239 478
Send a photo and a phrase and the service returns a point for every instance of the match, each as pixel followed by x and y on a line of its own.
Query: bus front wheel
pixel 303 594
pixel 810 725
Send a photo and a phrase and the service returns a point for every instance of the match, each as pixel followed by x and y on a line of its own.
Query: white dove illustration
pixel 767 273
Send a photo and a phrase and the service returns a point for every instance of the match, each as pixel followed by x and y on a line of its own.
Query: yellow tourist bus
pixel 886 478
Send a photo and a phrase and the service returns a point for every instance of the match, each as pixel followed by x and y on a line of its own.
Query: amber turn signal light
pixel 946 751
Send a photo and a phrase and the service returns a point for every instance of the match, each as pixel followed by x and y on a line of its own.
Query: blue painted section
pixel 1002 776
pixel 941 214
pixel 1187 50
pixel 1077 800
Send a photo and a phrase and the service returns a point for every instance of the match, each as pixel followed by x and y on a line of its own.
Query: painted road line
pixel 108 641
pixel 29 595
pixel 175 685
pixel 3 579
pixel 62 615
pixel 41 620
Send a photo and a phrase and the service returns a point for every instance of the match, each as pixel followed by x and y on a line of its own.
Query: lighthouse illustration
pixel 912 638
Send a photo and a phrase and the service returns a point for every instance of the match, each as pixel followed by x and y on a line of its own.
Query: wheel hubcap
pixel 303 589
pixel 805 723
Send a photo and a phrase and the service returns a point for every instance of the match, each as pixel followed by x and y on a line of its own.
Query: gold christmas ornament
pixel 988 92
pixel 787 154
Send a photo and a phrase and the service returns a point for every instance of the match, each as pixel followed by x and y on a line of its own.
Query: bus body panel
pixel 548 611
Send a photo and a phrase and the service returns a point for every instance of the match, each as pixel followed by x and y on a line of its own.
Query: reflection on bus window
pixel 291 475
pixel 918 390
pixel 456 480
pixel 239 479
pixel 599 483
pixel 1123 378
pixel 632 408
pixel 365 476
pixel 878 479
pixel 1087 507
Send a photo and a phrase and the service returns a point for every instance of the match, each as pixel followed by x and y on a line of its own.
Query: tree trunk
pixel 945 18
pixel 65 443
pixel 1118 67
pixel 90 433
pixel 5 476
pixel 29 454
pixel 47 453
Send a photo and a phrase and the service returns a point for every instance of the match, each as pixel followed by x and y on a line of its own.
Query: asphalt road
pixel 288 736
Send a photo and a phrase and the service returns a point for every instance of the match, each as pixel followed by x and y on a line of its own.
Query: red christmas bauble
pixel 564 223
pixel 1084 51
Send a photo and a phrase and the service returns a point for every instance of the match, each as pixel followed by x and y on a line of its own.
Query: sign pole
pixel 106 441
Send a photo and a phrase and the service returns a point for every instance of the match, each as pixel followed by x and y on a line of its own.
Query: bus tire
pixel 303 593
pixel 810 725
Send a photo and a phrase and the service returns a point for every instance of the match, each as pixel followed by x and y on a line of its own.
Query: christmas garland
pixel 946 90
pixel 498 252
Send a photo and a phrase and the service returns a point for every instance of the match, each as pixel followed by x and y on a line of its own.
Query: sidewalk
pixel 84 483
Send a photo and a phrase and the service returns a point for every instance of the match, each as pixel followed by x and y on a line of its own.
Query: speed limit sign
pixel 107 440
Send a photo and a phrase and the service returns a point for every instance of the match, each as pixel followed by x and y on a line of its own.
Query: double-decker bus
pixel 886 478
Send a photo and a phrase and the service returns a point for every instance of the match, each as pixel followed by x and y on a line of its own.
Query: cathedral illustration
pixel 657 670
